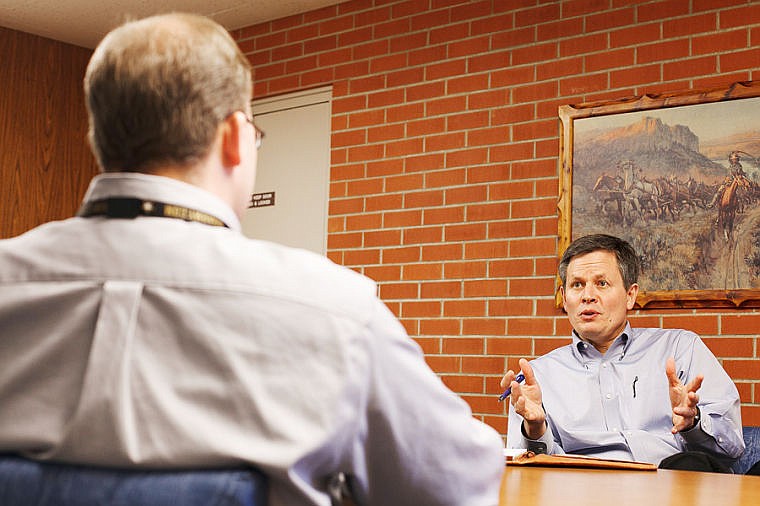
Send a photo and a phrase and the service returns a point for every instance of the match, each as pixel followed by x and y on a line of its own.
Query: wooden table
pixel 551 486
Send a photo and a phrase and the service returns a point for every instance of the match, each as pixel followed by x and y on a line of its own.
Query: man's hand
pixel 683 398
pixel 526 398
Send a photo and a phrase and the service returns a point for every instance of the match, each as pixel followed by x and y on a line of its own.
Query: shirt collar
pixel 619 346
pixel 161 189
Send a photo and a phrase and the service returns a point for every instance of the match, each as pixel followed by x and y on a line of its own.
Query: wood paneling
pixel 45 162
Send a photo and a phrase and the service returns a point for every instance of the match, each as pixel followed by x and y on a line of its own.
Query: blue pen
pixel 520 377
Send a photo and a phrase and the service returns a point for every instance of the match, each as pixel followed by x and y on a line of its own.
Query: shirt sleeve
pixel 719 431
pixel 423 445
pixel 516 437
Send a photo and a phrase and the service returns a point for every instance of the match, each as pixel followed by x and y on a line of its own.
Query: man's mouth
pixel 588 314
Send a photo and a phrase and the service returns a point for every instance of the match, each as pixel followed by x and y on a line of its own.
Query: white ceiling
pixel 85 22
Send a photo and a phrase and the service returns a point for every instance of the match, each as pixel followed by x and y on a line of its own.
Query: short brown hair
pixel 627 259
pixel 157 88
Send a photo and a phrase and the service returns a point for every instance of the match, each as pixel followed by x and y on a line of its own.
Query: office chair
pixel 26 482
pixel 751 455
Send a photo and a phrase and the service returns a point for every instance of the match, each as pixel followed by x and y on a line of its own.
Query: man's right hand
pixel 527 401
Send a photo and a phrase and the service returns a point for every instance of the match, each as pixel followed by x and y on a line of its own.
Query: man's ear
pixel 633 292
pixel 231 130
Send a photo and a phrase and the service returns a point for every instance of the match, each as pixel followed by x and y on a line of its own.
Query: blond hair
pixel 157 88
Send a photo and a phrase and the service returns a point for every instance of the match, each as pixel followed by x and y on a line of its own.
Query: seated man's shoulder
pixel 305 275
pixel 657 333
pixel 560 354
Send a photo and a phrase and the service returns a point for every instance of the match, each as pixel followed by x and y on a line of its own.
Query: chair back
pixel 751 453
pixel 26 482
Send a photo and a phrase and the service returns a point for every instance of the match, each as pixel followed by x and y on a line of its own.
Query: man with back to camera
pixel 617 392
pixel 148 332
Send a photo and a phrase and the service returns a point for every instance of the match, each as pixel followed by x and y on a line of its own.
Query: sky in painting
pixel 707 121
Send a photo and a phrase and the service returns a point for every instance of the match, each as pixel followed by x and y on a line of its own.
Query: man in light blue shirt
pixel 617 392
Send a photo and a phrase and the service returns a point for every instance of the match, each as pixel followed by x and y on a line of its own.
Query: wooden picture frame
pixel 699 239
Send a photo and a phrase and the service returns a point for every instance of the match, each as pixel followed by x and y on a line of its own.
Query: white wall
pixel 294 163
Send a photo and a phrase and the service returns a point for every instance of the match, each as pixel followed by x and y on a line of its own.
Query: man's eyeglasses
pixel 259 132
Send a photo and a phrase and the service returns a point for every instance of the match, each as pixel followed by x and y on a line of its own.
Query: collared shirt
pixel 617 405
pixel 157 342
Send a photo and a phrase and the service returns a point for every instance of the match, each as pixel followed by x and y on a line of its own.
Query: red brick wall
pixel 444 177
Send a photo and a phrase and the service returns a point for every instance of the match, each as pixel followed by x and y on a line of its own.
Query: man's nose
pixel 589 293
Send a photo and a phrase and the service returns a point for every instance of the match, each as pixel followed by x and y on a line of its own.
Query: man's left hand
pixel 683 398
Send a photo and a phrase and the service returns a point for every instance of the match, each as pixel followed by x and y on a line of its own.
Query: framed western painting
pixel 678 176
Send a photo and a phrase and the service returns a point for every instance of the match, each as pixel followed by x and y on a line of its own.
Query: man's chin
pixel 586 324
pixel 588 332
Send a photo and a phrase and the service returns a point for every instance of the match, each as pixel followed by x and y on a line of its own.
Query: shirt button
pixel 604 366
pixel 609 396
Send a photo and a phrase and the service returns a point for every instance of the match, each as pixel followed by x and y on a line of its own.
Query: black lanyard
pixel 125 207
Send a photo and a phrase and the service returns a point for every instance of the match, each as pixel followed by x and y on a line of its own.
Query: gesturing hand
pixel 526 399
pixel 683 398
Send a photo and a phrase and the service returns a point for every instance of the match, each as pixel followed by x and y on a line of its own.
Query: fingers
pixel 508 378
pixel 695 384
pixel 526 409
pixel 527 370
pixel 670 372
pixel 686 411
pixel 692 399
pixel 683 398
pixel 675 381
pixel 684 416
pixel 519 406
pixel 516 391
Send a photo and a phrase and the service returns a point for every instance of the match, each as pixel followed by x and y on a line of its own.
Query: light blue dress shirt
pixel 617 406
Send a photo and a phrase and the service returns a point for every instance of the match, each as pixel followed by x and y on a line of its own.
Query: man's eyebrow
pixel 591 277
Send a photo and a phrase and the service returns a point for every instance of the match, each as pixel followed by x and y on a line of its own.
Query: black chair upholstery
pixel 29 483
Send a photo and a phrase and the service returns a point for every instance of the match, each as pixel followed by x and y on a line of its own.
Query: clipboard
pixel 528 458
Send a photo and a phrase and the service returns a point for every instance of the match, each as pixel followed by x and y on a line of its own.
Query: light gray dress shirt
pixel 156 342
pixel 617 405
